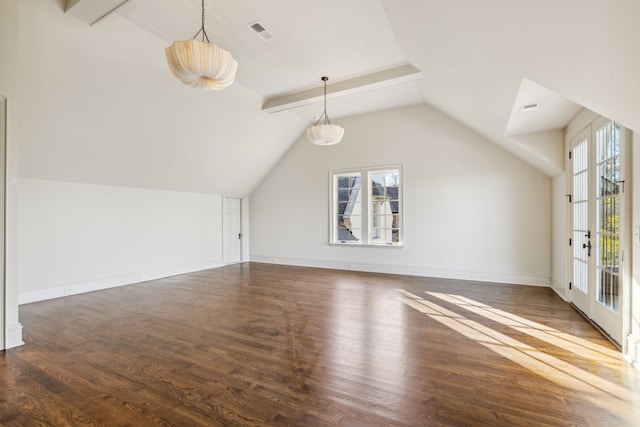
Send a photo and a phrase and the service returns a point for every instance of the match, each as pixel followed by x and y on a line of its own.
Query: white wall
pixel 80 237
pixel 472 210
pixel 566 46
pixel 100 106
pixel 118 167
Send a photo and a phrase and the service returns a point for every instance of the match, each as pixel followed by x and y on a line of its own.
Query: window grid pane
pixel 580 215
pixel 348 209
pixel 384 206
pixel 608 215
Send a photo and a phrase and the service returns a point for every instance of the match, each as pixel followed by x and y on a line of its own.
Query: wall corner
pixel 14 336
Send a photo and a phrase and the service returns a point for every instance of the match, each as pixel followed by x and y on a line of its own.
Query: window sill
pixel 367 245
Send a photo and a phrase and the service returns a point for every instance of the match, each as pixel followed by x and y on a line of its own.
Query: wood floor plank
pixel 267 345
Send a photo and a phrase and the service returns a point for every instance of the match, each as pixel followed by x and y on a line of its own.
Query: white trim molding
pixel 633 350
pixel 411 270
pixel 113 282
pixel 14 336
pixel 559 289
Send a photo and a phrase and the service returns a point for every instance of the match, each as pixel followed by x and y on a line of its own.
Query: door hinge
pixel 569 155
pixel 569 285
pixel 239 235
pixel 569 241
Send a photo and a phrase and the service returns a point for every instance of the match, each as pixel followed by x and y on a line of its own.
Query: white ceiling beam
pixel 92 11
pixel 392 76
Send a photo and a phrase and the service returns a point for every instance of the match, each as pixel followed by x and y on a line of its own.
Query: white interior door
pixel 232 233
pixel 597 210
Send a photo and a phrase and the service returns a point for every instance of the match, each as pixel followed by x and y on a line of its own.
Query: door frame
pixel 3 222
pixel 243 229
pixel 626 231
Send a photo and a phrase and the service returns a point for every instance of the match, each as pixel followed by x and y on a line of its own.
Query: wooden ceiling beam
pixel 389 77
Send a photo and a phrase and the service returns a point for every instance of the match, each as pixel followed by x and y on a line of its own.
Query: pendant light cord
pixel 326 118
pixel 204 33
pixel 324 113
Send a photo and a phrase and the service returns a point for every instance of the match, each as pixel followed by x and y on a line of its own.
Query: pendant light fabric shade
pixel 201 65
pixel 325 133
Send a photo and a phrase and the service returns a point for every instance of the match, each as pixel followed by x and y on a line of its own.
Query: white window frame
pixel 366 238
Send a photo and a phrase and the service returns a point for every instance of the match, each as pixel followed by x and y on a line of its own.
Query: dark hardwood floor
pixel 268 345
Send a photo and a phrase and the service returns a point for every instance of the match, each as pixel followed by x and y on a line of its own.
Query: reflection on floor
pixel 271 345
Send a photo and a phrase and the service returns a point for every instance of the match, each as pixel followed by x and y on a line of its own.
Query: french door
pixel 597 187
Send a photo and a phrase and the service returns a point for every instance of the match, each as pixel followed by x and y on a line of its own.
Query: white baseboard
pixel 14 336
pixel 113 282
pixel 518 279
pixel 559 289
pixel 633 350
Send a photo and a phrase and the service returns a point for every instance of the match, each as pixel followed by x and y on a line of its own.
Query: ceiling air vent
pixel 261 31
pixel 529 107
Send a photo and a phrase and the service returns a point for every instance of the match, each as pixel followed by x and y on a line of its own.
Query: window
pixel 366 206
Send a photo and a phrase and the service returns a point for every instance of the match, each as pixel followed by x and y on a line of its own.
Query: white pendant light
pixel 201 64
pixel 325 133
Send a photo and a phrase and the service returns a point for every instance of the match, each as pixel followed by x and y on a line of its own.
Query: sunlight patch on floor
pixel 598 391
pixel 580 347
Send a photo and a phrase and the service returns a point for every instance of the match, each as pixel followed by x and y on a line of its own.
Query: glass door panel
pixel 581 229
pixel 608 253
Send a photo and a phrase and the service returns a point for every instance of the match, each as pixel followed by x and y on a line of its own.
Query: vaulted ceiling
pixel 477 61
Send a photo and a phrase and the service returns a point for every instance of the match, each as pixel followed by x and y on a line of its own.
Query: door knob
pixel 588 247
